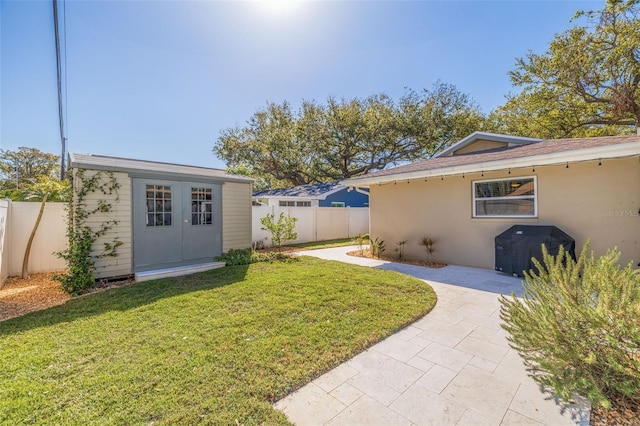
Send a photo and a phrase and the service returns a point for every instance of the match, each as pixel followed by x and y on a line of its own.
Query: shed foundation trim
pixel 177 271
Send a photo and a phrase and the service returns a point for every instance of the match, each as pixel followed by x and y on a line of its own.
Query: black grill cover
pixel 517 245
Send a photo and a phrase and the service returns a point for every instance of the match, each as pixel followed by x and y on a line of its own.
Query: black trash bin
pixel 516 246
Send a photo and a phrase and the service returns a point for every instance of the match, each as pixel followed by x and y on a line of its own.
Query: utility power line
pixel 63 139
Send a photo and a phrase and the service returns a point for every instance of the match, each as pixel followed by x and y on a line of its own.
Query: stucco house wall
pixel 587 201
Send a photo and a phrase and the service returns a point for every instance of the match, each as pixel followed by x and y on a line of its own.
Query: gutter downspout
pixel 359 190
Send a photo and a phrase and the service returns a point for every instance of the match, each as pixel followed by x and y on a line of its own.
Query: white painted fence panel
pixel 50 237
pixel 315 223
pixel 4 256
pixel 17 220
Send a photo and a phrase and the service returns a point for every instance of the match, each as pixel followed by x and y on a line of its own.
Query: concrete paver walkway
pixel 452 367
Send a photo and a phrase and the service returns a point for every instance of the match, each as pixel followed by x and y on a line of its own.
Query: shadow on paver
pixel 462 276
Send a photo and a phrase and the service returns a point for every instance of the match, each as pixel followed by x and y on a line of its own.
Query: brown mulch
pixel 367 253
pixel 20 296
pixel 622 413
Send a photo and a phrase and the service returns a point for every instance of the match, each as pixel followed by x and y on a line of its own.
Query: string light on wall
pixel 567 166
pixel 509 170
pixel 599 163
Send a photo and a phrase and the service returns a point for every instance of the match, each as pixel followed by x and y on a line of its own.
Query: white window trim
pixel 522 197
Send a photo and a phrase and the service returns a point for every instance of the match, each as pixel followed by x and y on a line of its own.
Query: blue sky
pixel 159 80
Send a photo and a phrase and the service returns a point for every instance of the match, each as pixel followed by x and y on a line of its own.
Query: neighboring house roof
pixel 318 191
pixel 545 152
pixel 129 165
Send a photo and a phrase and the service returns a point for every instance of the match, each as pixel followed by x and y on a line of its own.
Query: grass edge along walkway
pixel 215 347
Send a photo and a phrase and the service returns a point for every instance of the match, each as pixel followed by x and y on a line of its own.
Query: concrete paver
pixel 452 367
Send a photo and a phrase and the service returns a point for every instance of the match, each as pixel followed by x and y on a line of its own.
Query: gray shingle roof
pixel 310 191
pixel 532 150
pixel 129 165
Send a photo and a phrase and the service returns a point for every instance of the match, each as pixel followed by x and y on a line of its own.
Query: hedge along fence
pixel 315 223
pixel 16 223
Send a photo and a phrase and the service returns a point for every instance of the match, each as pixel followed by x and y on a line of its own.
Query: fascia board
pixel 333 191
pixel 587 154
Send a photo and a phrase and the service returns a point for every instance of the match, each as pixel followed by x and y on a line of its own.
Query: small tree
pixel 429 245
pixel 578 326
pixel 282 230
pixel 41 191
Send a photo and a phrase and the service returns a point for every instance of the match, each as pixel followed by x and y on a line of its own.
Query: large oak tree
pixel 586 84
pixel 346 137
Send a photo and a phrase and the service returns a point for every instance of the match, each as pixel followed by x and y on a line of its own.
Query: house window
pixel 159 205
pixel 505 198
pixel 201 206
pixel 303 203
pixel 282 203
pixel 337 204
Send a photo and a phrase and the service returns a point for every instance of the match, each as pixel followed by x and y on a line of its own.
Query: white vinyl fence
pixel 315 223
pixel 16 223
pixel 17 220
pixel 4 257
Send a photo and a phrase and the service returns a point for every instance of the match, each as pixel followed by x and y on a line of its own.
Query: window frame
pixel 338 204
pixel 533 197
pixel 204 216
pixel 164 202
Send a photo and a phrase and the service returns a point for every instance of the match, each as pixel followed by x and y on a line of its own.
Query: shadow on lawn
pixel 124 298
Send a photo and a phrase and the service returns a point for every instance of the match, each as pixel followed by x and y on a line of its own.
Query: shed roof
pixel 314 191
pixel 545 152
pixel 129 165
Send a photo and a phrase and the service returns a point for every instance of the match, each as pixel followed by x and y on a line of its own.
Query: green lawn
pixel 216 347
pixel 324 244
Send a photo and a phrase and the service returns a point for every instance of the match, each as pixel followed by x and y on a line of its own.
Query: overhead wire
pixel 56 30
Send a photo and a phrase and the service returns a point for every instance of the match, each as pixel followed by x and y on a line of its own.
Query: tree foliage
pixel 586 84
pixel 25 167
pixel 344 138
pixel 578 326
pixel 27 173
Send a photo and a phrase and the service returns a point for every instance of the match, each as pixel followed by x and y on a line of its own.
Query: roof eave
pixel 587 154
pixel 495 137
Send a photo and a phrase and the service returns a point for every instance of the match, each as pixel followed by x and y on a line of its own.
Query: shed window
pixel 303 203
pixel 337 204
pixel 505 198
pixel 201 206
pixel 159 205
pixel 283 203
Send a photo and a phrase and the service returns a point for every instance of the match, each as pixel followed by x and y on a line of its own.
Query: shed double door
pixel 175 223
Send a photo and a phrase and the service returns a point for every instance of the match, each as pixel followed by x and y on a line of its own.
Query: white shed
pixel 162 217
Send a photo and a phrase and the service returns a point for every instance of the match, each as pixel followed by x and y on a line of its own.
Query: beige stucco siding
pixel 121 213
pixel 236 216
pixel 585 201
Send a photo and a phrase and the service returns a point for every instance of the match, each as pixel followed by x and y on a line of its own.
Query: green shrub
pixel 377 247
pixel 578 326
pixel 247 256
pixel 282 230
pixel 235 257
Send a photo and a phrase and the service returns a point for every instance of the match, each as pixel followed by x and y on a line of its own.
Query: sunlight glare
pixel 279 7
